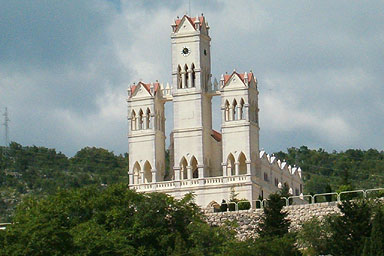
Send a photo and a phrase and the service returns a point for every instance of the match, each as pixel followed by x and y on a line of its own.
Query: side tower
pixel 146 121
pixel 240 124
pixel 191 75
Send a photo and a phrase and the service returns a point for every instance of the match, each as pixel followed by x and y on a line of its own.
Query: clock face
pixel 185 51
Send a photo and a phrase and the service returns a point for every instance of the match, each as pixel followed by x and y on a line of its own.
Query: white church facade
pixel 208 163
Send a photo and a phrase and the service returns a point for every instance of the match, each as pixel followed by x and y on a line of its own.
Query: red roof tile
pixel 146 86
pixel 216 135
pixel 249 75
pixel 191 20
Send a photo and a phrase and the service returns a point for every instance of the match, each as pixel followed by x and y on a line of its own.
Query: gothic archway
pixel 136 173
pixel 147 172
pixel 242 164
pixel 183 169
pixel 230 165
pixel 195 170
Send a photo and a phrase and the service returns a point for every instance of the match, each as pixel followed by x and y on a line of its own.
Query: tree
pixel 375 244
pixel 111 221
pixel 350 230
pixel 313 236
pixel 274 222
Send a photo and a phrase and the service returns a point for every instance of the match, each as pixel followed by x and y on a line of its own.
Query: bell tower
pixel 191 76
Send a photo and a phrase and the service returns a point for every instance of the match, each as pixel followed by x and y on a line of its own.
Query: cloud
pixel 65 67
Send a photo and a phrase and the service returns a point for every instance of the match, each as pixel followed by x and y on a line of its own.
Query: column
pixel 141 180
pixel 238 112
pixel 145 122
pixel 224 166
pixel 177 173
pixel 237 164
pixel 131 178
pixel 154 178
pixel 246 112
pixel 248 163
pixel 189 78
pixel 201 171
pixel 231 113
pixel 184 80
pixel 189 172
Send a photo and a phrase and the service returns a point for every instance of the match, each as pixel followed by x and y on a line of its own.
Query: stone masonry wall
pixel 247 220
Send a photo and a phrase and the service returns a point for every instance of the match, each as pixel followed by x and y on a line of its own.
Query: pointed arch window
pixel 230 165
pixel 241 109
pixel 140 123
pixel 242 164
pixel 195 170
pixel 183 168
pixel 185 76
pixel 226 111
pixel 179 80
pixel 234 110
pixel 148 119
pixel 136 173
pixel 133 121
pixel 147 172
pixel 193 75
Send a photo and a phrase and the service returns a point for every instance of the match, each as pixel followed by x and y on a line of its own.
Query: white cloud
pixel 319 68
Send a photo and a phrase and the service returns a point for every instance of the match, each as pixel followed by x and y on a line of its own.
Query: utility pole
pixel 6 120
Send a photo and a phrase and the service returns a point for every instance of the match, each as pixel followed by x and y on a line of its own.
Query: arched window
pixel 148 119
pixel 226 110
pixel 136 173
pixel 140 125
pixel 179 81
pixel 183 168
pixel 241 109
pixel 242 164
pixel 230 165
pixel 193 76
pixel 186 76
pixel 195 170
pixel 133 121
pixel 147 172
pixel 234 105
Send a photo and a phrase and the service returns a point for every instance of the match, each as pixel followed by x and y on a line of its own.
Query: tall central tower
pixel 191 72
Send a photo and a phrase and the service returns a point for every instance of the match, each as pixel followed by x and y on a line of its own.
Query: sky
pixel 65 67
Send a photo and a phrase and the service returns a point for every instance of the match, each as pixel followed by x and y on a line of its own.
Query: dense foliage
pixel 323 171
pixel 95 220
pixel 41 171
pixel 357 231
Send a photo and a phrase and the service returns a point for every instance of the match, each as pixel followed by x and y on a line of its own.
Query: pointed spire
pixel 222 80
pixel 129 90
pixel 215 84
pixel 246 78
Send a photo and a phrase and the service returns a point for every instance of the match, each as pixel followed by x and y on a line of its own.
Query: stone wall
pixel 246 221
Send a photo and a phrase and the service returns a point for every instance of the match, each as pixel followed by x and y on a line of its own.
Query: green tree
pixel 111 221
pixel 350 230
pixel 274 222
pixel 374 245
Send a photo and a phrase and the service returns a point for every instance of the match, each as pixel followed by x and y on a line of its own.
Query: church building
pixel 209 163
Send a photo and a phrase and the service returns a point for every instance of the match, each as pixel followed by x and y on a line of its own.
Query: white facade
pixel 208 163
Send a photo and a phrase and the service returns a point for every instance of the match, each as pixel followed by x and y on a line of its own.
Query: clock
pixel 185 51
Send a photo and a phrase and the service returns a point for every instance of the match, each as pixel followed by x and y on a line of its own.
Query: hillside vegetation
pixel 39 171
pixel 345 170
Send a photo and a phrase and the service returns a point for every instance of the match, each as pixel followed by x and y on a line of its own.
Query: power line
pixel 6 126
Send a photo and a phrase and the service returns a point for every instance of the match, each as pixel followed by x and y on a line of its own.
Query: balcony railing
pixel 209 181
